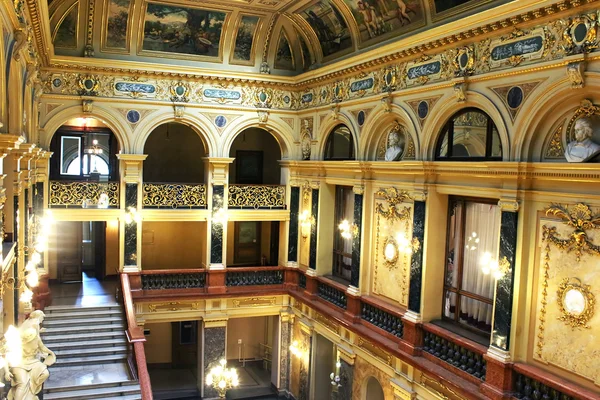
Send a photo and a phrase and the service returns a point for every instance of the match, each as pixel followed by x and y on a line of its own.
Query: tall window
pixel 469 135
pixel 473 240
pixel 342 246
pixel 340 144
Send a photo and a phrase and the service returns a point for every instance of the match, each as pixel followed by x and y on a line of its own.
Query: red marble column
pixel 498 379
pixel 216 281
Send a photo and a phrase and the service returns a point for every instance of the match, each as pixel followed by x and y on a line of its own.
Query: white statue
pixel 28 375
pixel 582 148
pixel 395 145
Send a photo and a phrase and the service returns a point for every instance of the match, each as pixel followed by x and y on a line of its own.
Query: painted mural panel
pixel 306 59
pixel 182 30
pixel 245 39
pixel 450 7
pixel 117 24
pixel 66 34
pixel 381 19
pixel 330 26
pixel 284 58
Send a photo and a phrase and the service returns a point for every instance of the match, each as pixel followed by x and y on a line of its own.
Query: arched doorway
pixel 257 156
pixel 374 390
pixel 175 153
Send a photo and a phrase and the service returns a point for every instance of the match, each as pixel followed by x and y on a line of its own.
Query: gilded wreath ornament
pixel 393 197
pixel 574 318
pixel 581 218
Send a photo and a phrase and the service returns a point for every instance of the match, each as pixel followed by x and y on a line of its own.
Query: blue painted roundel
pixel 220 121
pixel 133 116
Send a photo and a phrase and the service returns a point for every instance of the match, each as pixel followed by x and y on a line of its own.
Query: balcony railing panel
pixel 255 197
pixel 332 295
pixel 77 194
pixel 382 319
pixel 454 354
pixel 165 279
pixel 256 277
pixel 174 195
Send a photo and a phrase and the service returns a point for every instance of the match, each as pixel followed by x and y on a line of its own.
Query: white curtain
pixel 483 220
pixel 349 215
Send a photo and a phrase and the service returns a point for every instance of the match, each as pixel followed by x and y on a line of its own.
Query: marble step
pixel 75 314
pixel 61 309
pixel 119 390
pixel 82 330
pixel 105 359
pixel 65 337
pixel 83 321
pixel 90 351
pixel 83 344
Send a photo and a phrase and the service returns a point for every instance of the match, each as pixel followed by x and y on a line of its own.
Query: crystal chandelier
pixel 222 379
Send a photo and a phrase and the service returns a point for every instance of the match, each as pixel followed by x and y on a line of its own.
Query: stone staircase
pixel 91 354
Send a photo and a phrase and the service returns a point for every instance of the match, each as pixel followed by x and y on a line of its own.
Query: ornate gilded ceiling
pixel 282 37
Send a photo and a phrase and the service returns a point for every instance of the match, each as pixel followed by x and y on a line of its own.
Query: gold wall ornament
pixel 80 194
pixel 576 303
pixel 173 306
pixel 555 149
pixel 581 35
pixel 262 98
pixel 180 92
pixel 579 217
pixel 576 74
pixel 88 85
pixel 375 351
pixel 390 252
pixel 256 196
pixel 173 195
pixel 463 61
pixel 255 302
pixel 394 198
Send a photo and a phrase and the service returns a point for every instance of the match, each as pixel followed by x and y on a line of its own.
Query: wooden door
pixel 69 258
pixel 249 167
pixel 184 344
pixel 247 243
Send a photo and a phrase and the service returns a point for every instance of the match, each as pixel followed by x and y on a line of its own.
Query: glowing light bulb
pixel 33 279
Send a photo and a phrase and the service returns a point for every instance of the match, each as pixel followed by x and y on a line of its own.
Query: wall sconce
pixel 222 379
pixel 347 230
pixel 306 222
pixel 220 216
pixel 296 350
pixel 406 245
pixel 132 215
pixel 335 376
pixel 490 265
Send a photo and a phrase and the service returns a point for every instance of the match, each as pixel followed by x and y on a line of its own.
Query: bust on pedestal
pixel 582 149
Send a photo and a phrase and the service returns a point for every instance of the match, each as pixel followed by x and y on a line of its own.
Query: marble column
pixel 213 345
pixel 505 285
pixel 285 341
pixel 416 262
pixel 346 374
pixel 293 227
pixel 217 229
pixel 356 239
pixel 305 366
pixel 312 258
pixel 130 168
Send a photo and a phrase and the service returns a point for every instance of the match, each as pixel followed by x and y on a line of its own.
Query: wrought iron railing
pixel 257 197
pixel 254 277
pixel 332 295
pixel 174 195
pixel 382 319
pixel 454 354
pixel 529 388
pixel 173 280
pixel 75 194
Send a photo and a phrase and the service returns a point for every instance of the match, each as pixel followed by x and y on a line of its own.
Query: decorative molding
pixel 327 323
pixel 394 198
pixel 173 306
pixel 555 148
pixel 255 302
pixel 375 351
pixel 580 319
pixel 508 205
pixel 526 87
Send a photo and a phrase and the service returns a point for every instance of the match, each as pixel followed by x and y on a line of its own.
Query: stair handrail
pixel 136 338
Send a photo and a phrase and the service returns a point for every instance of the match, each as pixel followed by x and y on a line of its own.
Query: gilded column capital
pixel 419 196
pixel 359 189
pixel 131 167
pixel 9 143
pixel 509 205
pixel 220 322
pixel 315 185
pixel 218 168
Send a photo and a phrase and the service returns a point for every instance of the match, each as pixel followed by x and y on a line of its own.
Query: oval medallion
pixel 463 60
pixel 514 97
pixel 361 118
pixel 133 116
pixel 220 121
pixel 423 109
pixel 580 32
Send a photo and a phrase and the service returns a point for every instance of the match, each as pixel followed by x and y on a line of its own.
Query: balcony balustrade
pixel 174 195
pixel 332 295
pixel 166 279
pixel 79 194
pixel 382 319
pixel 254 277
pixel 257 197
pixel 455 354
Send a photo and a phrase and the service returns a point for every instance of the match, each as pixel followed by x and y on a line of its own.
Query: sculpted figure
pixel 28 376
pixel 306 147
pixel 395 146
pixel 582 148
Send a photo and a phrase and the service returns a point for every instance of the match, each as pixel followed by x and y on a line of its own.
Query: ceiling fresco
pixel 284 37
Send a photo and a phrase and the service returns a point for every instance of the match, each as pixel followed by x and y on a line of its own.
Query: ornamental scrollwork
pixel 394 198
pixel 256 196
pixel 582 219
pixel 575 302
pixel 84 194
pixel 173 195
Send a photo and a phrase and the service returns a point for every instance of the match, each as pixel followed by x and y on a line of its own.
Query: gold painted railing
pixel 71 194
pixel 174 195
pixel 257 196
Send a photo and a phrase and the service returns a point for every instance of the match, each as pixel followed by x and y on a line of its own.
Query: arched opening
pixel 339 145
pixel 257 154
pixel 470 135
pixel 374 390
pixel 175 153
pixel 84 149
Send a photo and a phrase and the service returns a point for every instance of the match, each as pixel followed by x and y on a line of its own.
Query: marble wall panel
pixel 214 351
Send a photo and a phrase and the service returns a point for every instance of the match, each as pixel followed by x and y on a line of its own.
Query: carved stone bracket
pixel 575 73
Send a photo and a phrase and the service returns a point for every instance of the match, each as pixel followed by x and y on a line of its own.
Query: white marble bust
pixel 395 147
pixel 582 148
